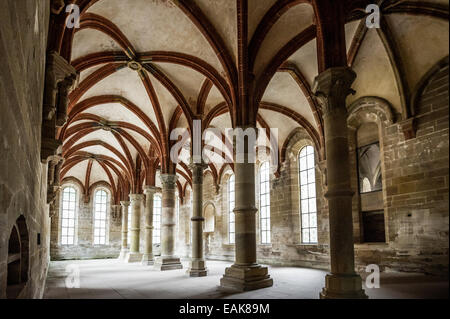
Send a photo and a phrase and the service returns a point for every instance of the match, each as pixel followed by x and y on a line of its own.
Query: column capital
pixel 150 190
pixel 332 87
pixel 136 197
pixel 125 203
pixel 197 172
pixel 169 180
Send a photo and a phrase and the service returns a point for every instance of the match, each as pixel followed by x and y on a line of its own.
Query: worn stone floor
pixel 113 279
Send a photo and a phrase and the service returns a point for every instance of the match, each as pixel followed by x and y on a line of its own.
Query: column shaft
pixel 197 266
pixel 136 204
pixel 124 249
pixel 168 260
pixel 332 87
pixel 245 274
pixel 147 259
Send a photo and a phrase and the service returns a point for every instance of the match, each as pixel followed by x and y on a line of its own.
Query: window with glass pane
pixel 190 222
pixel 177 211
pixel 157 219
pixel 100 202
pixel 231 217
pixel 69 197
pixel 264 202
pixel 308 195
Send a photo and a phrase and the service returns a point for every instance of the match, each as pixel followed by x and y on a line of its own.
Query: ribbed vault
pixel 148 67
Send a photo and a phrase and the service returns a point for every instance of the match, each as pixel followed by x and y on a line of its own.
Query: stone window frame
pixel 77 210
pixel 155 242
pixel 365 110
pixel 224 209
pixel 177 213
pixel 258 201
pixel 298 140
pixel 209 203
pixel 228 214
pixel 300 195
pixel 108 213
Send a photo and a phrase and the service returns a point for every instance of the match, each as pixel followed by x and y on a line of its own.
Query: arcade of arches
pixel 356 174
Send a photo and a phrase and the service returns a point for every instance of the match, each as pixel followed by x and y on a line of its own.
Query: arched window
pixel 209 224
pixel 191 210
pixel 157 219
pixel 366 187
pixel 308 195
pixel 68 216
pixel 231 217
pixel 177 212
pixel 100 216
pixel 264 202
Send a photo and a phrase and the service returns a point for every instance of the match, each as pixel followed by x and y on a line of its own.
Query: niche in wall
pixel 209 224
pixel 370 184
pixel 18 259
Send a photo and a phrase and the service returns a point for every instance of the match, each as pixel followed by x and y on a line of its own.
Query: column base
pixel 123 254
pixel 147 260
pixel 197 269
pixel 343 287
pixel 167 263
pixel 245 278
pixel 133 257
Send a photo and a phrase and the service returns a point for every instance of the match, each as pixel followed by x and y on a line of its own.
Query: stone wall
pixel 415 176
pixel 84 247
pixel 286 247
pixel 23 40
pixel 416 186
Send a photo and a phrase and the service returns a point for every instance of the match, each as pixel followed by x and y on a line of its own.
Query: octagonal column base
pixel 167 263
pixel 343 287
pixel 245 278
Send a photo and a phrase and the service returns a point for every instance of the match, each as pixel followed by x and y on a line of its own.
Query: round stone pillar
pixel 124 251
pixel 168 260
pixel 332 88
pixel 136 203
pixel 245 274
pixel 147 258
pixel 197 265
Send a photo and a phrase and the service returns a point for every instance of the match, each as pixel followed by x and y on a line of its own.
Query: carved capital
pixel 150 190
pixel 169 180
pixel 56 6
pixel 125 204
pixel 136 198
pixel 197 172
pixel 60 78
pixel 115 212
pixel 332 88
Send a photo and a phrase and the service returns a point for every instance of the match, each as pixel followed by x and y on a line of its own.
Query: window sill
pixel 307 245
pixel 371 245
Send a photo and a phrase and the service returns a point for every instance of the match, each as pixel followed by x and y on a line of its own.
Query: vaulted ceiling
pixel 149 66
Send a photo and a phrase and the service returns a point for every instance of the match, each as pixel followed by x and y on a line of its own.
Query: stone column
pixel 332 88
pixel 147 259
pixel 245 274
pixel 124 251
pixel 197 266
pixel 168 260
pixel 136 203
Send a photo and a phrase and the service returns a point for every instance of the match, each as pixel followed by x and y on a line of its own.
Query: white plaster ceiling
pixel 160 25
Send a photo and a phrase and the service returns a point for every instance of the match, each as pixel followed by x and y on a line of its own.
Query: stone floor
pixel 113 279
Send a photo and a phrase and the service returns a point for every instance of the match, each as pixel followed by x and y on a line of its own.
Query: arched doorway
pixel 18 259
